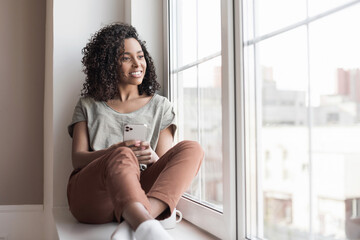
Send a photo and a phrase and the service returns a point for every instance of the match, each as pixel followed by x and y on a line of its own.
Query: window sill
pixel 68 228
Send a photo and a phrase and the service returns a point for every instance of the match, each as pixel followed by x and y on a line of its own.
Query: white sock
pixel 123 232
pixel 151 230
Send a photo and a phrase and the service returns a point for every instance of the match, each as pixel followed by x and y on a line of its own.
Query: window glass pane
pixel 272 15
pixel 336 124
pixel 185 16
pixel 196 93
pixel 303 181
pixel 319 6
pixel 247 21
pixel 209 27
pixel 307 161
pixel 186 104
pixel 210 130
pixel 283 152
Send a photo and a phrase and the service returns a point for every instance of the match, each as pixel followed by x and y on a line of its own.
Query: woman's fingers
pixel 144 144
pixel 140 152
pixel 132 143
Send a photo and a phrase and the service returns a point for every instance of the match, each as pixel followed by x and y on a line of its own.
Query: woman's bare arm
pixel 165 141
pixel 81 156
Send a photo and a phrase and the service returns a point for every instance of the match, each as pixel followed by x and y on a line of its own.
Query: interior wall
pixel 22 53
pixel 73 24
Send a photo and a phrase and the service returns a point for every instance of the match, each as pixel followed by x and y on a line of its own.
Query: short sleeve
pixel 169 117
pixel 78 116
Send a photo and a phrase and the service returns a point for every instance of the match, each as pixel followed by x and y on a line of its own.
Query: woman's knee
pixel 191 147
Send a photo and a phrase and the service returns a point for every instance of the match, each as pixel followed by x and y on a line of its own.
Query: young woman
pixel 107 183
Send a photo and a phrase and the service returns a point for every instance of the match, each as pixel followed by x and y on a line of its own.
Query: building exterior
pixel 330 164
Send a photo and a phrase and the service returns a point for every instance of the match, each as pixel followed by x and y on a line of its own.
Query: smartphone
pixel 135 132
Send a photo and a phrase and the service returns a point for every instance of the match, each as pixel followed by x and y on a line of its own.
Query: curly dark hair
pixel 100 61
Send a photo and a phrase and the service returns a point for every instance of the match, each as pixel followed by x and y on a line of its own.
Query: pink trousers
pixel 99 192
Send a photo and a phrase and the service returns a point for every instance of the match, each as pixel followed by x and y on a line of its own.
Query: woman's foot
pixel 151 230
pixel 123 232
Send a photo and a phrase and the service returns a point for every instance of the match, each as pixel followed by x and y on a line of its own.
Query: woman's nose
pixel 135 62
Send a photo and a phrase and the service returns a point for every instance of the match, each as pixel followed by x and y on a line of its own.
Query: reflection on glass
pixel 276 14
pixel 336 121
pixel 284 136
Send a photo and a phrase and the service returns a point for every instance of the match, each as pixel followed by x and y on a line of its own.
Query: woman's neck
pixel 128 93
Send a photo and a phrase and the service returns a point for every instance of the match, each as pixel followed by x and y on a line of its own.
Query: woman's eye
pixel 124 59
pixel 141 56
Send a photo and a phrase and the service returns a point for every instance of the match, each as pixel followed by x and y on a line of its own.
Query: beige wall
pixel 22 50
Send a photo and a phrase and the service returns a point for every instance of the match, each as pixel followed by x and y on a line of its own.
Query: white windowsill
pixel 68 228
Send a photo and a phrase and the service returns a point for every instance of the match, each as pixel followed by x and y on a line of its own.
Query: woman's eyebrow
pixel 128 53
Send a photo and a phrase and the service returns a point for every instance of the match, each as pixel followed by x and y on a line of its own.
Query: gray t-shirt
pixel 106 126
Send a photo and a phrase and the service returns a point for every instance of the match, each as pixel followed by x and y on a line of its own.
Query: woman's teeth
pixel 136 74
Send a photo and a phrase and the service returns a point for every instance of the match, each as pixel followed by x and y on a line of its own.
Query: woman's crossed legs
pixel 112 186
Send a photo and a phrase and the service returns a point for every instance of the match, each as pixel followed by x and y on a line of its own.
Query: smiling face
pixel 132 63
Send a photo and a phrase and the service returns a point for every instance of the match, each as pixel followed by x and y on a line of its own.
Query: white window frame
pixel 224 225
pixel 235 219
pixel 253 223
pixel 240 120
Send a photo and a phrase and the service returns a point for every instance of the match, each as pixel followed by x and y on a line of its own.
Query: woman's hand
pixel 129 144
pixel 144 153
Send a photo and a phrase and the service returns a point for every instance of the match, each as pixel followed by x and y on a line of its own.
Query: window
pixel 196 91
pixel 201 99
pixel 302 107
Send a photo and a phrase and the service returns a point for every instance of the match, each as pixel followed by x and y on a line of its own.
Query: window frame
pixel 240 115
pixel 254 224
pixel 236 220
pixel 223 225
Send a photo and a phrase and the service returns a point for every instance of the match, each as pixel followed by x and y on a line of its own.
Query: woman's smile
pixel 136 74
